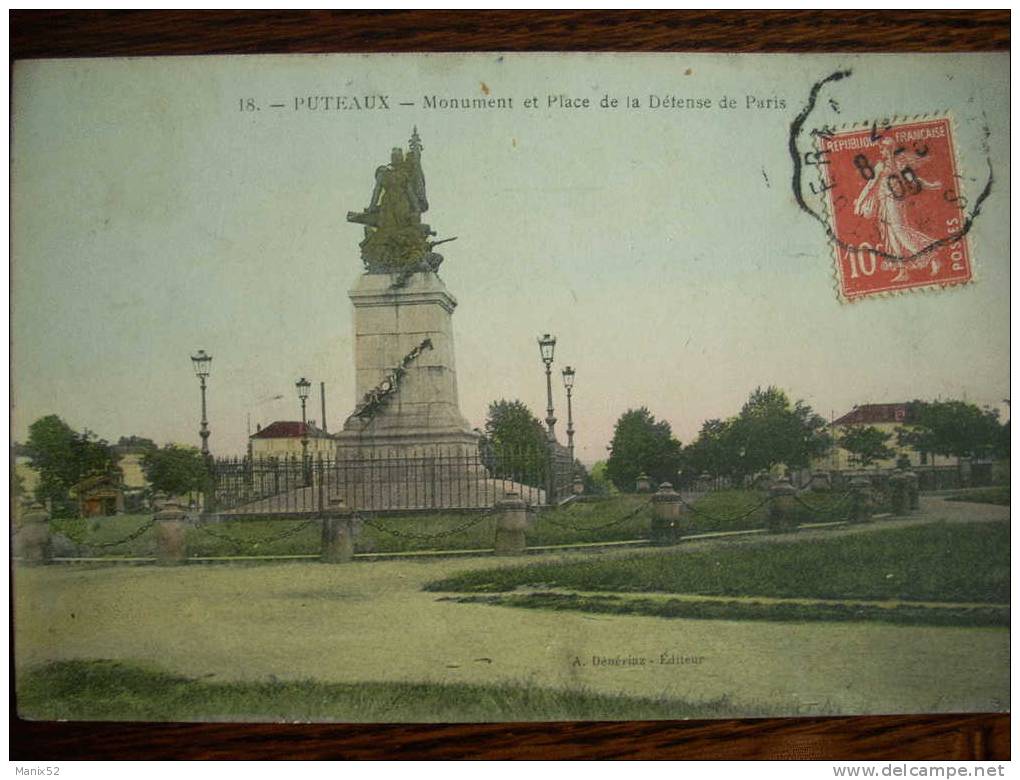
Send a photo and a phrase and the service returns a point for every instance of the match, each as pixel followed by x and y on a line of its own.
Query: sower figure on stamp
pixel 892 179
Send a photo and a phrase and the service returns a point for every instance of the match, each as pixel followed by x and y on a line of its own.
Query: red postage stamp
pixel 897 217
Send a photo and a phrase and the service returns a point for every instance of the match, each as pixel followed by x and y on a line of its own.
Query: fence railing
pixel 930 478
pixel 436 478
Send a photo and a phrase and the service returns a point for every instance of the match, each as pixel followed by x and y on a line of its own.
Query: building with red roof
pixel 282 439
pixel 876 414
pixel 887 417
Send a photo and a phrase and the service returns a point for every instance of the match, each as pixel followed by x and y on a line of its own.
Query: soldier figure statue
pixel 396 240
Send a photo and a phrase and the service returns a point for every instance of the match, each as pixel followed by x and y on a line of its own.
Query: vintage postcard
pixel 500 387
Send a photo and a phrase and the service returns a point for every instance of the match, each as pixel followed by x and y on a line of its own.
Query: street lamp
pixel 303 387
pixel 568 382
pixel 201 362
pixel 547 344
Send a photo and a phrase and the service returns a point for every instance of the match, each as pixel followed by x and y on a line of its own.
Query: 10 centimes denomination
pixel 892 194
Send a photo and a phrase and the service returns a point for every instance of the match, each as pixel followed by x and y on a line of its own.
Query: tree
pixel 515 443
pixel 63 457
pixel 175 469
pixel 512 424
pixel 951 428
pixel 714 452
pixel 866 443
pixel 600 482
pixel 136 441
pixel 770 431
pixel 642 444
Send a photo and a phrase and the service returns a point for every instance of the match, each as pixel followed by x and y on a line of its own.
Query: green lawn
pixel 95 532
pixel 727 510
pixel 103 537
pixel 614 518
pixel 998 495
pixel 112 690
pixel 938 562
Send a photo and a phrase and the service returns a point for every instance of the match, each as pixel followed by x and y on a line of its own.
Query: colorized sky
pixel 154 214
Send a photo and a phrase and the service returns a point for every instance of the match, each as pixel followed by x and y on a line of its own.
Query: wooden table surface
pixel 112 33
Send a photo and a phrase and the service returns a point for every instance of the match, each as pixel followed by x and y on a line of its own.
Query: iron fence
pixel 433 479
pixel 930 478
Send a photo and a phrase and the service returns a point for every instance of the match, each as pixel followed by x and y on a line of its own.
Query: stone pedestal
pixel 338 532
pixel 820 481
pixel 913 490
pixel 782 505
pixel 32 538
pixel 422 413
pixel 171 534
pixel 898 490
pixel 860 500
pixel 407 445
pixel 666 516
pixel 511 524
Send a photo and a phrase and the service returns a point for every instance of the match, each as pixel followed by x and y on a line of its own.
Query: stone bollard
pixel 898 489
pixel 781 506
pixel 860 500
pixel 511 524
pixel 171 534
pixel 32 538
pixel 913 490
pixel 339 529
pixel 643 483
pixel 666 516
pixel 820 481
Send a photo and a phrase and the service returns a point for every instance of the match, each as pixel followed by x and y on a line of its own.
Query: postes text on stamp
pixel 897 216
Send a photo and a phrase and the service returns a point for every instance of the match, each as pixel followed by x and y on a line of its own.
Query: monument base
pixel 406 381
pixel 430 470
pixel 432 443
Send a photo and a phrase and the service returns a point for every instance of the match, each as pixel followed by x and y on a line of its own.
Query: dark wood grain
pixel 80 34
pixel 962 737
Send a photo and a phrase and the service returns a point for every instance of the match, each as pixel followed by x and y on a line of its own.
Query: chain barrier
pixel 839 505
pixel 107 545
pixel 240 544
pixel 372 523
pixel 725 521
pixel 831 509
pixel 582 528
